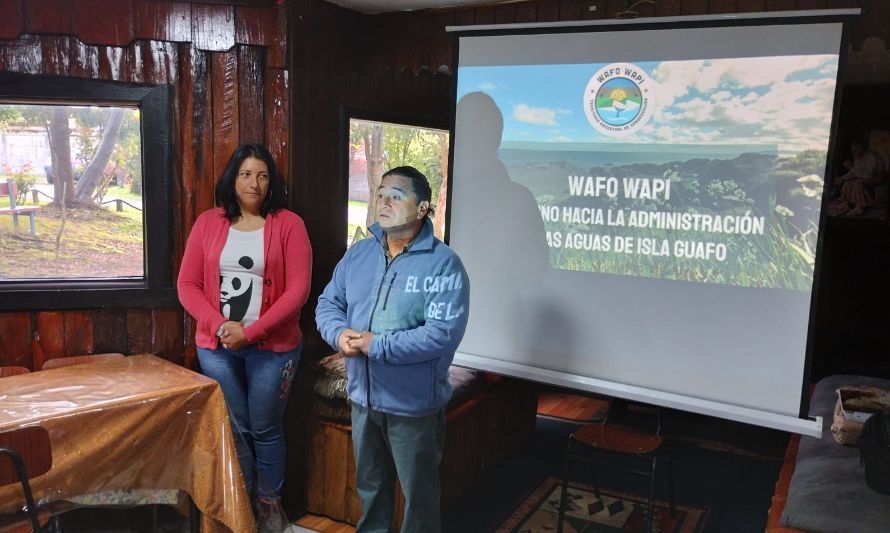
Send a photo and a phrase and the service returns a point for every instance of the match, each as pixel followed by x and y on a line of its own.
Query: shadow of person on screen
pixel 511 255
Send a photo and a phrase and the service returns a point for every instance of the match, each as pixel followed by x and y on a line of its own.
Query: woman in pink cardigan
pixel 244 277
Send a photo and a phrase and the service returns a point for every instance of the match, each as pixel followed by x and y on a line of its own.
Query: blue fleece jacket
pixel 416 307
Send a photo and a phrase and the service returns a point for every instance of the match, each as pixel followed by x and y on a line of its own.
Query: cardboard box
pixel 859 403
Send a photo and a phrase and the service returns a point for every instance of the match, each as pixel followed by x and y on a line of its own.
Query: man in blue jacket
pixel 397 308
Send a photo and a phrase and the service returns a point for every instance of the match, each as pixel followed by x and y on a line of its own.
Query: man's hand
pixel 232 337
pixel 362 342
pixel 344 343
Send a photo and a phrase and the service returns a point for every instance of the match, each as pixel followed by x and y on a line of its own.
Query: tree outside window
pixel 374 148
pixel 82 166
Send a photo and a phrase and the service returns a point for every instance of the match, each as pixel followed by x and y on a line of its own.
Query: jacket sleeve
pixel 330 313
pixel 190 283
pixel 297 279
pixel 445 320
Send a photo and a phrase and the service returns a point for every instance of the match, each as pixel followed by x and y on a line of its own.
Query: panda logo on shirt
pixel 235 292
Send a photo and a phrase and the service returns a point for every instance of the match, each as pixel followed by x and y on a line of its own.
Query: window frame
pixel 155 289
pixel 349 113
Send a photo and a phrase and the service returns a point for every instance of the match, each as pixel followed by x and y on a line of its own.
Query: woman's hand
pixel 232 335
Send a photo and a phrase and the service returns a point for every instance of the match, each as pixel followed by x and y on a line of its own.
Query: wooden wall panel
pixel 224 91
pixel 55 52
pixel 153 62
pixel 277 56
pixel 570 9
pixel 78 333
pixel 255 26
pixel 189 352
pixel 213 27
pixel 15 339
pixel 163 21
pixel 485 15
pixel 722 6
pixel 110 330
pixel 197 133
pixel 669 8
pixel 338 446
pixel 277 117
pixel 22 55
pixel 12 22
pixel 48 16
pixel 251 119
pixel 504 14
pixel 49 340
pixel 779 5
pixel 114 64
pixel 751 6
pixel 695 7
pixel 83 60
pixel 526 12
pixel 166 334
pixel 103 22
pixel 548 11
pixel 592 11
pixel 875 14
pixel 813 4
pixel 139 331
pixel 191 159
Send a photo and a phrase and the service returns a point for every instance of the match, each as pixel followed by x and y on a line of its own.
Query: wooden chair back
pixel 32 443
pixel 6 371
pixel 25 453
pixel 79 359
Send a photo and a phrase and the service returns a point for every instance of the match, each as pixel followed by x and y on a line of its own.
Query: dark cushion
pixel 828 490
pixel 330 384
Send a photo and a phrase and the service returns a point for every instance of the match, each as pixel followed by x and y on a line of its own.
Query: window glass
pixel 77 172
pixel 374 148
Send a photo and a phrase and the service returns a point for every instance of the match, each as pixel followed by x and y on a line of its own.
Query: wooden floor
pixel 324 525
pixel 551 403
pixel 570 406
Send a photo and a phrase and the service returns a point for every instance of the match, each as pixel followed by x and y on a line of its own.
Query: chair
pixel 6 371
pixel 30 456
pixel 79 359
pixel 595 443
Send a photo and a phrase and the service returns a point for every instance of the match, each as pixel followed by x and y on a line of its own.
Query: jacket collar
pixel 425 240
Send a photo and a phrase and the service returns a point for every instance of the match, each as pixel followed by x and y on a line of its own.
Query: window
pixel 376 146
pixel 89 161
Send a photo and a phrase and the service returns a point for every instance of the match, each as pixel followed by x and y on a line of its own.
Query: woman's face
pixel 252 184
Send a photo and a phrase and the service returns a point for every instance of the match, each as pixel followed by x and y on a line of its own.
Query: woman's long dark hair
pixel 276 197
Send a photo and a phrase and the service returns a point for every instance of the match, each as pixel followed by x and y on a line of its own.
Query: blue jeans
pixel 255 384
pixel 387 445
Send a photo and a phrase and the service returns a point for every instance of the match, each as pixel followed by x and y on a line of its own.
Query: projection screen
pixel 638 205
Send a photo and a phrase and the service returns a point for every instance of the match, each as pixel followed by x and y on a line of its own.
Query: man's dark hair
pixel 276 197
pixel 419 183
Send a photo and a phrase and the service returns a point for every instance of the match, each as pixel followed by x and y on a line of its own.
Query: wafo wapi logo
pixel 619 99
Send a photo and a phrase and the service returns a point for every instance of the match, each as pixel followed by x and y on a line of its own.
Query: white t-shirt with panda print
pixel 241 276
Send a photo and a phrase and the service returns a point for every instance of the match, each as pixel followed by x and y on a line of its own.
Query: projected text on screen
pixel 705 170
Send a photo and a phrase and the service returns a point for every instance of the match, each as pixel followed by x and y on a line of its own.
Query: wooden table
pixel 135 423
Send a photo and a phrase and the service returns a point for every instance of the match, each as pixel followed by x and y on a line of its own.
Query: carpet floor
pixel 730 487
pixel 589 510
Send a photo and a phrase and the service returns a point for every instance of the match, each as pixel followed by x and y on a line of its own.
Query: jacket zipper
pixel 392 281
pixel 374 308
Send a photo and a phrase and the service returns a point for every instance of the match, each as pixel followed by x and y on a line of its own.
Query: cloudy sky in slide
pixel 785 101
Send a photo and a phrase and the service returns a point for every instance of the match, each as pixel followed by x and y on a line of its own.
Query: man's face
pixel 397 205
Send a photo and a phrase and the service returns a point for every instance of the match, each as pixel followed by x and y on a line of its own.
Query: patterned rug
pixel 586 513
